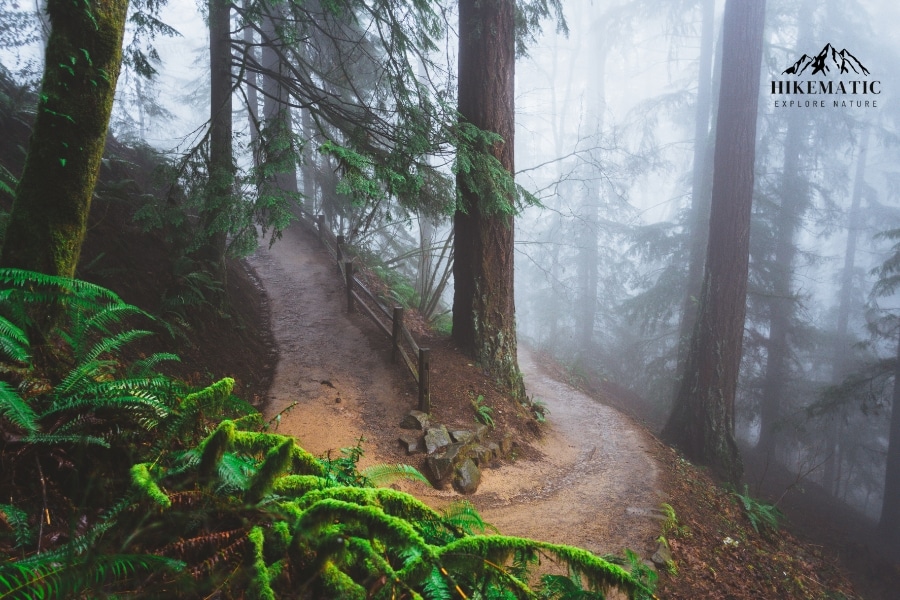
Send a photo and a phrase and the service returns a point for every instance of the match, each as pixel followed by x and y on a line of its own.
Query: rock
pixel 481 455
pixel 495 450
pixel 466 477
pixel 436 438
pixel 463 436
pixel 441 464
pixel 414 443
pixel 415 419
pixel 662 556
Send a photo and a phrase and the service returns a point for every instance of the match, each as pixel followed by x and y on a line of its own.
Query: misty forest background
pixel 615 123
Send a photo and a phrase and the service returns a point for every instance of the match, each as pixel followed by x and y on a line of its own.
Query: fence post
pixel 340 251
pixel 424 380
pixel 320 225
pixel 348 272
pixel 395 338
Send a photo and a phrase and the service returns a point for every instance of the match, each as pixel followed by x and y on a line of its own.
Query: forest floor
pixel 590 476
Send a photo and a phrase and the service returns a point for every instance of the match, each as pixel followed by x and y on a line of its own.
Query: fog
pixel 606 124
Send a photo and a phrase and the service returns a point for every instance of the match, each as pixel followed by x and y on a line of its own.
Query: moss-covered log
pixel 53 198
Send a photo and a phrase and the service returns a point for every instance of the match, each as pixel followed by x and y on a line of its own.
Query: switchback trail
pixel 596 484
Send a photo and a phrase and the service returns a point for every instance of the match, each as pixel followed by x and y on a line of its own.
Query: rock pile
pixel 455 455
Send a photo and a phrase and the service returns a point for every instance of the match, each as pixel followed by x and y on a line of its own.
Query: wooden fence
pixel 389 321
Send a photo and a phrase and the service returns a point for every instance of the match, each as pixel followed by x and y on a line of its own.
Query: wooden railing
pixel 390 322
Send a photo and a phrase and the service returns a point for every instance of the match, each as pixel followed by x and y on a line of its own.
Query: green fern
pixel 385 474
pixel 13 342
pixel 16 410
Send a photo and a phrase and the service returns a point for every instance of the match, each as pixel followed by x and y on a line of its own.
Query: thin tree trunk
pixel 781 302
pixel 702 421
pixel 842 339
pixel 49 215
pixel 483 304
pixel 701 182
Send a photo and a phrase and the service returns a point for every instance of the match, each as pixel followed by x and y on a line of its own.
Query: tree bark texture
pixel 483 304
pixel 702 421
pixel 53 198
pixel 220 192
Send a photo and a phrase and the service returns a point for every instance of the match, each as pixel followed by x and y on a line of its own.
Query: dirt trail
pixel 596 485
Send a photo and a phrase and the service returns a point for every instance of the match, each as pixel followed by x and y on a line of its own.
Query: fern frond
pixel 16 520
pixel 13 342
pixel 16 410
pixel 84 375
pixel 463 515
pixel 114 314
pixel 113 343
pixel 52 439
pixel 235 473
pixel 145 366
pixel 385 474
pixel 68 579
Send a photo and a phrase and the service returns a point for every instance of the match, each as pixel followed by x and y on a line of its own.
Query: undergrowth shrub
pixel 189 494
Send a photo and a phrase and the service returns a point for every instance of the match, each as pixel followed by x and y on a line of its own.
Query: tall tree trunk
pixel 252 79
pixel 587 229
pixel 701 180
pixel 220 191
pixel 843 341
pixel 483 305
pixel 279 148
pixel 781 301
pixel 49 216
pixel 702 420
pixel 890 506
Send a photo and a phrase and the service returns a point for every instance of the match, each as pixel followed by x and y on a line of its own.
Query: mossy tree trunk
pixel 483 305
pixel 53 198
pixel 702 420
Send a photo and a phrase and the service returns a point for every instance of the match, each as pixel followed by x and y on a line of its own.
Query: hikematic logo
pixel 835 78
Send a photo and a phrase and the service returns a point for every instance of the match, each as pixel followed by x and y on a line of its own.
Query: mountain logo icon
pixel 826 62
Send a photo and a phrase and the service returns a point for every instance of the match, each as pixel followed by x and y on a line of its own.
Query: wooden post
pixel 320 225
pixel 348 272
pixel 396 331
pixel 424 380
pixel 340 251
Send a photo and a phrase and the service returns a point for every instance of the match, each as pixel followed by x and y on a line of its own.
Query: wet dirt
pixel 595 484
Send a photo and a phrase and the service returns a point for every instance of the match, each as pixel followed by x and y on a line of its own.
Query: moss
pixel 143 481
pixel 276 462
pixel 298 485
pixel 213 447
pixel 259 588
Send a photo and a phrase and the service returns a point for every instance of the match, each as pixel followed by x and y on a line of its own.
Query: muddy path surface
pixel 595 485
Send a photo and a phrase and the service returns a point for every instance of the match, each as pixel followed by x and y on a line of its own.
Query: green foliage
pixel 763 517
pixel 197 506
pixel 670 525
pixel 482 175
pixel 483 412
